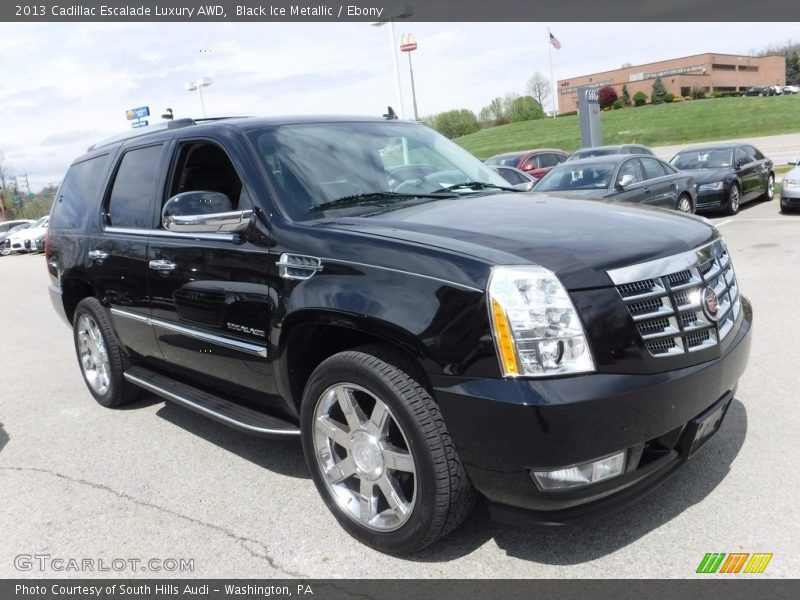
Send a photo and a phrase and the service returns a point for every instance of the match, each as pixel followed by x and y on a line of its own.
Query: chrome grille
pixel 664 298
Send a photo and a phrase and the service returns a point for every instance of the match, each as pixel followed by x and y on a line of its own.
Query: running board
pixel 219 409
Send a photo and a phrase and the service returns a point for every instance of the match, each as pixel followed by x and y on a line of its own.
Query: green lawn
pixel 676 123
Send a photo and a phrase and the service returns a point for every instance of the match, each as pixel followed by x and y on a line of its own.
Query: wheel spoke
pixel 341 471
pixel 334 431
pixel 352 411
pixel 398 460
pixel 398 506
pixel 378 418
pixel 368 501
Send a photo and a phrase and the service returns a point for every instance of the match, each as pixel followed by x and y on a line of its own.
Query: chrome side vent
pixel 298 266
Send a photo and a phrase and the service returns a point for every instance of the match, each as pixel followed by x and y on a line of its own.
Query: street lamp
pixel 407 12
pixel 198 86
pixel 408 43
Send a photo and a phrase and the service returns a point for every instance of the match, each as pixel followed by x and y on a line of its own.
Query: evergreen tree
pixel 659 91
pixel 626 96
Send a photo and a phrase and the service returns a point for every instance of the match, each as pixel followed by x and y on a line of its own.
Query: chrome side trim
pixel 669 264
pixel 203 409
pixel 448 282
pixel 219 340
pixel 220 237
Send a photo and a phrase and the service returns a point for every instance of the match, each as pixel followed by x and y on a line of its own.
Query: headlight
pixel 535 325
pixel 711 187
pixel 791 183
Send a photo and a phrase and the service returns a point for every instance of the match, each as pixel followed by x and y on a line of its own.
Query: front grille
pixel 669 309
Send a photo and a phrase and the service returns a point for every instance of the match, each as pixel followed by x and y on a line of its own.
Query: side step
pixel 224 411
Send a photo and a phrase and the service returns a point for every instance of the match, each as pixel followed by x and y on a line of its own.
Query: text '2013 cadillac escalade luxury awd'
pixel 369 286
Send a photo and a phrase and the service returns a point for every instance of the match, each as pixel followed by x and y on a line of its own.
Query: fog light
pixel 578 475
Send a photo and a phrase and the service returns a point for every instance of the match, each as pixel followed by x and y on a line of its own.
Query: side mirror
pixel 741 162
pixel 203 212
pixel 625 181
pixel 525 186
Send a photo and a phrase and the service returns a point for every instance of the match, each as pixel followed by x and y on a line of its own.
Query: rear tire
pixel 100 356
pixel 428 493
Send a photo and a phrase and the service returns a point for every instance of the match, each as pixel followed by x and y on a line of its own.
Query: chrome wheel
pixel 93 355
pixel 733 200
pixel 365 461
pixel 770 187
pixel 684 204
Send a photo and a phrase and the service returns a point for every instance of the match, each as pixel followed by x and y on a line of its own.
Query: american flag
pixel 555 42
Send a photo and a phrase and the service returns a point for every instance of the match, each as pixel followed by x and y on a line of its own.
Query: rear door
pixel 748 171
pixel 116 259
pixel 662 185
pixel 209 295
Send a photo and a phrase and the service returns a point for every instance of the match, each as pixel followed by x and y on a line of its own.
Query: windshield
pixel 703 159
pixel 594 176
pixel 335 165
pixel 505 160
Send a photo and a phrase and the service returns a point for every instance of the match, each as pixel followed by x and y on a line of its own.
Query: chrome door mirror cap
pixel 203 212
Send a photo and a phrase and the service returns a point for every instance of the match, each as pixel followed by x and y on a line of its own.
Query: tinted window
pixel 533 162
pixel 752 154
pixel 548 160
pixel 652 168
pixel 78 192
pixel 510 176
pixel 505 160
pixel 741 156
pixel 758 154
pixel 134 192
pixel 595 176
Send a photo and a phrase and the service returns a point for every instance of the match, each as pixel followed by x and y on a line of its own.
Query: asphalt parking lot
pixel 157 481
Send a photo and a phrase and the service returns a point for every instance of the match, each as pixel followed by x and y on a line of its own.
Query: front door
pixel 209 299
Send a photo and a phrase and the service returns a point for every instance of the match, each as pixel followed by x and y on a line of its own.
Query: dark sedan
pixel 727 175
pixel 638 179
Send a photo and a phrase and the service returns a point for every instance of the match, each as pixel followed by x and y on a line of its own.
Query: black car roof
pixel 610 147
pixel 244 123
pixel 615 158
pixel 714 147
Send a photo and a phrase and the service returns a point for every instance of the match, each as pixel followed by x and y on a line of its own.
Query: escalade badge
pixel 710 304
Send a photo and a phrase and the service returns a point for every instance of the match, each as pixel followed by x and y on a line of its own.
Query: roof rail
pixel 141 131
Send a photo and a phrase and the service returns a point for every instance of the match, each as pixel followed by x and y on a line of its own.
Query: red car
pixel 534 162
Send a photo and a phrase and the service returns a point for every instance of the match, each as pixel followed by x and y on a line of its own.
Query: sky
pixel 66 86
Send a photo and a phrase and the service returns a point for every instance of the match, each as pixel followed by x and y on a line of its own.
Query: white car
pixel 17 241
pixel 791 89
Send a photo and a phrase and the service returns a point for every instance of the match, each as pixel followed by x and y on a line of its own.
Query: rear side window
pixel 653 168
pixel 78 193
pixel 134 192
pixel 548 160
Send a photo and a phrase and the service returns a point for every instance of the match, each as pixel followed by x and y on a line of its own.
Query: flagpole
pixel 552 79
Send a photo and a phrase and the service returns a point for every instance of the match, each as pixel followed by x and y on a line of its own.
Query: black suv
pixel 369 286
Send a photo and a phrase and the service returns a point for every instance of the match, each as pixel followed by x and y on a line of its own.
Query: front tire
pixel 684 204
pixel 379 452
pixel 734 200
pixel 100 356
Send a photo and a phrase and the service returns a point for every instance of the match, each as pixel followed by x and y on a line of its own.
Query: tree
pixel 538 88
pixel 659 91
pixel 626 65
pixel 606 96
pixel 493 111
pixel 792 68
pixel 455 123
pixel 626 96
pixel 525 108
pixel 508 100
pixel 3 178
pixel 639 98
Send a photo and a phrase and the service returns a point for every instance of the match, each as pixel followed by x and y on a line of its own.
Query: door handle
pixel 98 255
pixel 162 265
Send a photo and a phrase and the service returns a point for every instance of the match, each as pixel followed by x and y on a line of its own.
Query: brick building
pixel 710 72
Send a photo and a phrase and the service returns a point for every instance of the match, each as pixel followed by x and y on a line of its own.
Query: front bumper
pixel 712 200
pixel 505 428
pixel 790 198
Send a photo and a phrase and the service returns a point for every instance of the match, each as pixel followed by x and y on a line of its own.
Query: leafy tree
pixel 606 96
pixel 793 68
pixel 639 98
pixel 508 100
pixel 659 91
pixel 493 111
pixel 618 103
pixel 538 88
pixel 455 123
pixel 525 108
pixel 626 96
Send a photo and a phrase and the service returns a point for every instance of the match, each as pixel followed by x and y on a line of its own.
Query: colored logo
pixel 735 562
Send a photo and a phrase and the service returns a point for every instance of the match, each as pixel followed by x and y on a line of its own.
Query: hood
pixel 577 239
pixel 701 176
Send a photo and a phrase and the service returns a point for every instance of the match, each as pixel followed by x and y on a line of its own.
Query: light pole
pixel 407 12
pixel 408 44
pixel 198 86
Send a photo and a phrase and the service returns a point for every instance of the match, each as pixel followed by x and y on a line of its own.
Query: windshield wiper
pixel 374 198
pixel 475 185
